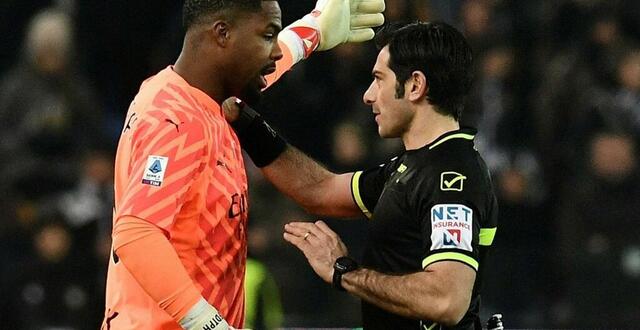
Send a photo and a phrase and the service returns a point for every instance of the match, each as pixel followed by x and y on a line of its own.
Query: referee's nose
pixel 369 95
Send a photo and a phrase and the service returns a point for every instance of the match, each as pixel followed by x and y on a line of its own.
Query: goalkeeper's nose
pixel 276 52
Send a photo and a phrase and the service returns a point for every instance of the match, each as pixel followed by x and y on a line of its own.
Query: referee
pixel 432 210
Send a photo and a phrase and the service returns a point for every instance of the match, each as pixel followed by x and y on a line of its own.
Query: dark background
pixel 556 100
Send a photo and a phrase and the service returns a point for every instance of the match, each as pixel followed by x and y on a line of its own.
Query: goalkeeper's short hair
pixel 196 11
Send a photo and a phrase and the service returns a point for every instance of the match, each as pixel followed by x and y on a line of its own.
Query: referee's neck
pixel 426 127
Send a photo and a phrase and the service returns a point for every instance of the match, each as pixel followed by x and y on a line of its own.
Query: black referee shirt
pixel 427 205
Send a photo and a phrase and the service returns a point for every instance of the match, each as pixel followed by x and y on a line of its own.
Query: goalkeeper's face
pixel 254 51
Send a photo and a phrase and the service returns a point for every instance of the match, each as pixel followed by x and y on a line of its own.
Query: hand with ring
pixel 320 245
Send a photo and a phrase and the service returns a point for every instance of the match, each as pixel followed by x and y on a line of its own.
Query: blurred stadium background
pixel 556 100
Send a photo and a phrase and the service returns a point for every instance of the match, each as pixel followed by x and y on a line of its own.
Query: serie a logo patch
pixel 155 170
pixel 451 227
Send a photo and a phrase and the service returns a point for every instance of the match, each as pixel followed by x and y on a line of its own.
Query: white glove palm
pixel 334 22
pixel 341 21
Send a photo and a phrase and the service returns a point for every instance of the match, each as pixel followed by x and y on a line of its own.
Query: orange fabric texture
pixel 170 284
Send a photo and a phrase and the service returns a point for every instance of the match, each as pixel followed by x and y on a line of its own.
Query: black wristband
pixel 256 137
pixel 246 117
pixel 342 266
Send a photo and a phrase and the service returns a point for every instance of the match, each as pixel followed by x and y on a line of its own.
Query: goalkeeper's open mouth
pixel 265 72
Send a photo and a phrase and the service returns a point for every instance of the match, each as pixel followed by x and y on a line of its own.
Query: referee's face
pixel 392 114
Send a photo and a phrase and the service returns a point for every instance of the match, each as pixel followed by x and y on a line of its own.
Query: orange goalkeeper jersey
pixel 179 166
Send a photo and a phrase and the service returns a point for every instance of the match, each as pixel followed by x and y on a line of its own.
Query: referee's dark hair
pixel 440 52
pixel 196 11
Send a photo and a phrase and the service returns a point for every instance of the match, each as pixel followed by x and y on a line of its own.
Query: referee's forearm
pixel 313 187
pixel 408 295
pixel 388 292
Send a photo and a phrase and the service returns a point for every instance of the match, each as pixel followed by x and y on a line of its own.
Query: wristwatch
pixel 342 266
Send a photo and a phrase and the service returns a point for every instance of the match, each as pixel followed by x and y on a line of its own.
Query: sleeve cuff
pixel 451 256
pixel 293 43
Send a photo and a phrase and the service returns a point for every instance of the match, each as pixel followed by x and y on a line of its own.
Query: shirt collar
pixel 465 133
pixel 201 97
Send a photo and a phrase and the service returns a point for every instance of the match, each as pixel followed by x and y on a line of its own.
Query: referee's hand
pixel 321 245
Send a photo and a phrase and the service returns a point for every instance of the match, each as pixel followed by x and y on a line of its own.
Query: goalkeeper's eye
pixel 269 36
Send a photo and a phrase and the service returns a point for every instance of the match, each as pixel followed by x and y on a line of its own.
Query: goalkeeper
pixel 180 214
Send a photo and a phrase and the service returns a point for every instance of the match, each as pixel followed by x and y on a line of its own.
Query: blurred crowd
pixel 556 100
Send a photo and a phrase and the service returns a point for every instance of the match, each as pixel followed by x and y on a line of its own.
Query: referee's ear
pixel 417 85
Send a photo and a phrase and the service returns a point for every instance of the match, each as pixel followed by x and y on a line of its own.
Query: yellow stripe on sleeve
pixel 487 235
pixel 355 191
pixel 450 256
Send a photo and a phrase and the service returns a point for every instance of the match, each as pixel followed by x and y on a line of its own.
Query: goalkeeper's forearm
pixel 175 292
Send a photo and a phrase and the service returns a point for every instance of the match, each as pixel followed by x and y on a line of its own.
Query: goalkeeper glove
pixel 332 23
pixel 203 316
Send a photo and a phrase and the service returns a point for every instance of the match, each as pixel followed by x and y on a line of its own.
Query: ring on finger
pixel 306 235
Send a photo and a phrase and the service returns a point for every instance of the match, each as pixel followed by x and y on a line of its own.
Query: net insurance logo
pixel 451 227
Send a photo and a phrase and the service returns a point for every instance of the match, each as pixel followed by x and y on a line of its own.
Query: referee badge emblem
pixel 452 181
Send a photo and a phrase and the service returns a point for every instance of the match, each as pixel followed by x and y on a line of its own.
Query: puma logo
pixel 174 123
pixel 223 164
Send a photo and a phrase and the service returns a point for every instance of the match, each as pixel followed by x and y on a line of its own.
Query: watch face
pixel 342 265
pixel 345 264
